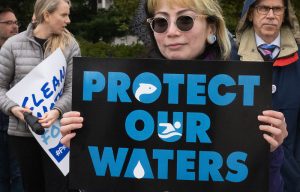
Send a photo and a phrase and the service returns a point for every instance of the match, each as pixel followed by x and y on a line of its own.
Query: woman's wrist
pixel 58 112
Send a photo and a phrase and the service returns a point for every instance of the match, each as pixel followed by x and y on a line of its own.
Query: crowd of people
pixel 268 30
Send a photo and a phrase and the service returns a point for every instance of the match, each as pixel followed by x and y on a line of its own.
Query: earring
pixel 211 39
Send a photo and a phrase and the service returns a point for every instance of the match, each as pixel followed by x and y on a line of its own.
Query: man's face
pixel 267 22
pixel 8 26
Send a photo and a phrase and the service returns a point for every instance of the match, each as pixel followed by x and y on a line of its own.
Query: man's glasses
pixel 11 23
pixel 264 10
pixel 161 24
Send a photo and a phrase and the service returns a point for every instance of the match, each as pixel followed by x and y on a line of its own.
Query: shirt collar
pixel 260 41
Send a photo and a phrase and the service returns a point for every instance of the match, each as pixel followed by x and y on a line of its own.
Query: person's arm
pixel 7 73
pixel 19 111
pixel 63 104
pixel 275 126
pixel 70 122
pixel 275 179
pixel 273 123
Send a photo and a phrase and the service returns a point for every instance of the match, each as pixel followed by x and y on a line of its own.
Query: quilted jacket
pixel 18 56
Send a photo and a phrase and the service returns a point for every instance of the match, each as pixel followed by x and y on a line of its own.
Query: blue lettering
pixel 240 170
pixel 55 131
pixel 118 84
pixel 107 160
pixel 139 156
pixel 213 90
pixel 249 82
pixel 131 129
pixel 45 89
pixel 62 74
pixel 35 102
pixel 184 164
pixel 173 80
pixel 39 114
pixel 210 162
pixel 25 100
pixel 197 126
pixel 52 105
pixel 163 157
pixel 55 83
pixel 92 82
pixel 45 137
pixel 59 94
pixel 194 89
pixel 45 109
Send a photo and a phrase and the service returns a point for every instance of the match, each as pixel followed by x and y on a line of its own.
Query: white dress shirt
pixel 260 41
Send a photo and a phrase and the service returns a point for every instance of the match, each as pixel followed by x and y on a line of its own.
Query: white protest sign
pixel 39 90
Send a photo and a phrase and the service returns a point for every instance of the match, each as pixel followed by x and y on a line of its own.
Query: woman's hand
pixel 49 118
pixel 275 126
pixel 18 111
pixel 70 121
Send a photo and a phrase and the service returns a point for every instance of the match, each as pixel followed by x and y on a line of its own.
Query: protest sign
pixel 160 125
pixel 39 90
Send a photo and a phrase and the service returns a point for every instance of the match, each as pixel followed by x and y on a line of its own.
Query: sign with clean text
pixel 38 91
pixel 177 126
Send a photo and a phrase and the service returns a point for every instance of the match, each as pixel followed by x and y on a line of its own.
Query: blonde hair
pixel 54 41
pixel 211 9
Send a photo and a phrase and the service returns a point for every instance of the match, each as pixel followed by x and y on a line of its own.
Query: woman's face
pixel 59 19
pixel 177 44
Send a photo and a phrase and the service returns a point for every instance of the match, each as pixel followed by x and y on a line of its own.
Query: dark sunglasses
pixel 161 24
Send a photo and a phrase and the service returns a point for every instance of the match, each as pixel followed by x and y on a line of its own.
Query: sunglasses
pixel 161 24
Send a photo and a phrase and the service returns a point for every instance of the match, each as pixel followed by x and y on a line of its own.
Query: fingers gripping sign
pixel 275 127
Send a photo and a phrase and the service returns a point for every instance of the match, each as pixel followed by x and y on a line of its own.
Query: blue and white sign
pixel 39 90
pixel 177 126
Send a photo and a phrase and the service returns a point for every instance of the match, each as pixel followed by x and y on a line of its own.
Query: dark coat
pixel 3 122
pixel 286 96
pixel 276 183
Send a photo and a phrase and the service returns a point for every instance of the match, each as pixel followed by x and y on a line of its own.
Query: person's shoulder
pixel 234 48
pixel 72 49
pixel 234 53
pixel 298 52
pixel 12 41
pixel 17 38
pixel 74 42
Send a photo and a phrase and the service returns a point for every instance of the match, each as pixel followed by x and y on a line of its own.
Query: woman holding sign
pixel 18 56
pixel 192 30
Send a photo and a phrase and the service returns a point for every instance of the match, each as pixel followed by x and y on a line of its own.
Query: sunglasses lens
pixel 185 23
pixel 159 25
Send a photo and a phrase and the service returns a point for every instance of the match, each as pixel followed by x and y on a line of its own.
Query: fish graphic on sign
pixel 144 88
